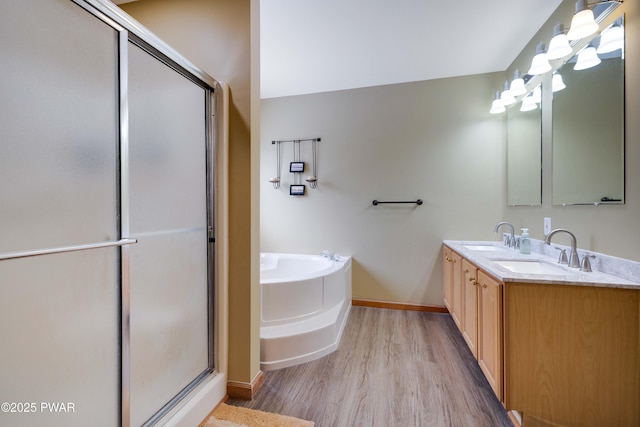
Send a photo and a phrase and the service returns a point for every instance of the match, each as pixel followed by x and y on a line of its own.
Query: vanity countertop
pixel 488 259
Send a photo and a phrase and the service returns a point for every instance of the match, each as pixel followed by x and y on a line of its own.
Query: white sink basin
pixel 533 267
pixel 484 247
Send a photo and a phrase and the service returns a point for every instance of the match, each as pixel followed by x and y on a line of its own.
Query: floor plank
pixel 392 368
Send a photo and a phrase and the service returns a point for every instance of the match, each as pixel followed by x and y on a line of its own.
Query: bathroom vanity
pixel 558 345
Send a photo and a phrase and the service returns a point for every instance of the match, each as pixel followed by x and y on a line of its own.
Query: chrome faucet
pixel 330 256
pixel 511 240
pixel 574 259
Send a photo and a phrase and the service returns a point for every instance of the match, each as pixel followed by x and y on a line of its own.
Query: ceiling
pixel 310 46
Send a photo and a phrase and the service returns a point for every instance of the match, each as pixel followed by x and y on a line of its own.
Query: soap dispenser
pixel 525 242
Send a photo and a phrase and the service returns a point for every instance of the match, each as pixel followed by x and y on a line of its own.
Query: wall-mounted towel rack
pixel 295 140
pixel 378 202
pixel 297 166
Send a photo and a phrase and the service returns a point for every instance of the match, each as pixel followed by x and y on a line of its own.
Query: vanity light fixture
pixel 528 103
pixel 611 39
pixel 587 58
pixel 557 84
pixel 540 63
pixel 517 84
pixel 537 95
pixel 506 97
pixel 496 106
pixel 559 46
pixel 583 23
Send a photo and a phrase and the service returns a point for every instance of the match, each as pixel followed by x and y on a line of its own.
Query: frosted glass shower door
pixel 59 315
pixel 168 215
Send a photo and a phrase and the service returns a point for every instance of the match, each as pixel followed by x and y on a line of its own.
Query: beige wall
pixel 614 230
pixel 216 36
pixel 432 140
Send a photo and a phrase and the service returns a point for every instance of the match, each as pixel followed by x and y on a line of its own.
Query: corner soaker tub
pixel 305 303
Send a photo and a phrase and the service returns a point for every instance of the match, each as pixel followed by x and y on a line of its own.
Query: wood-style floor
pixel 392 368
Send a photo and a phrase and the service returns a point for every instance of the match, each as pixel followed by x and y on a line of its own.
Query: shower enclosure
pixel 106 218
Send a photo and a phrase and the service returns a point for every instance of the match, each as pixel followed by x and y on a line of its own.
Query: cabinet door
pixel 453 284
pixel 456 274
pixel 490 354
pixel 571 354
pixel 470 295
pixel 447 278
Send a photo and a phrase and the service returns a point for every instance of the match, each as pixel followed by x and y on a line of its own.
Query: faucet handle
pixel 562 258
pixel 586 265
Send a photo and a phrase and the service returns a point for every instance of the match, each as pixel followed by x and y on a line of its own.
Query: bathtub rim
pixel 335 266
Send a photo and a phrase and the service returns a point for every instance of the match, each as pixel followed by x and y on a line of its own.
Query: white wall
pixel 432 140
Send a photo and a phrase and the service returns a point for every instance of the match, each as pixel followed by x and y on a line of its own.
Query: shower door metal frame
pixel 130 30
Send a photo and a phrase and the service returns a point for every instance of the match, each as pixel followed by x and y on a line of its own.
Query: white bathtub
pixel 305 301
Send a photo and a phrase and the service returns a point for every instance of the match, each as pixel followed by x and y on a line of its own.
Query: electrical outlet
pixel 547 226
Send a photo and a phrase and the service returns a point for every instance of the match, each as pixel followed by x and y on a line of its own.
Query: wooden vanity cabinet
pixel 474 300
pixel 452 262
pixel 572 355
pixel 447 278
pixel 559 354
pixel 470 294
pixel 490 343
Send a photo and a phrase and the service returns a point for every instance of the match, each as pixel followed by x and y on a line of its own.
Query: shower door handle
pixel 26 254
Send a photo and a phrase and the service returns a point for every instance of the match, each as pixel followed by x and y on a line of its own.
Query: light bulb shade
pixel 528 104
pixel 517 84
pixel 496 105
pixel 537 95
pixel 557 83
pixel 507 99
pixel 559 46
pixel 540 63
pixel 583 23
pixel 587 58
pixel 505 96
pixel 611 39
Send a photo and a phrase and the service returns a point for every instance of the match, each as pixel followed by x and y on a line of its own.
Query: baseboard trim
pixel 514 419
pixel 398 306
pixel 246 391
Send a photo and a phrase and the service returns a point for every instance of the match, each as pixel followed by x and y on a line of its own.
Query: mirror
pixel 588 129
pixel 524 157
